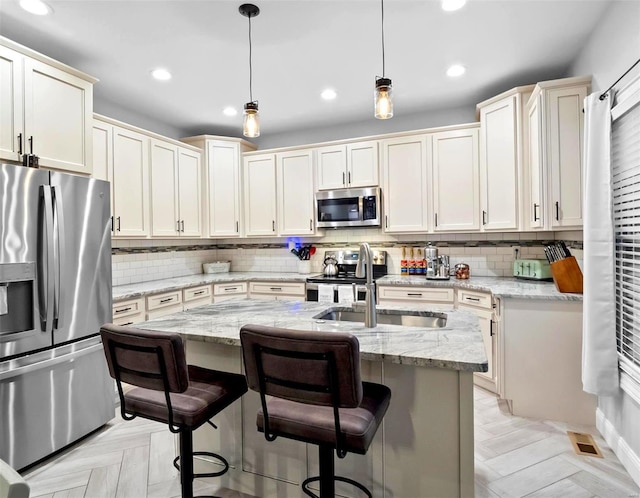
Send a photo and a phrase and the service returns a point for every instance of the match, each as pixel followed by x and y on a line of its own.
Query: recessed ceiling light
pixel 329 94
pixel 37 7
pixel 229 111
pixel 450 5
pixel 456 70
pixel 161 74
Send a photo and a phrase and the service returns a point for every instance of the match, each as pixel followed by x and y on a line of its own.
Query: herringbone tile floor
pixel 514 457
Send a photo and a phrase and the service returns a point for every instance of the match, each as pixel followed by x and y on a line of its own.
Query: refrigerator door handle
pixel 15 372
pixel 59 258
pixel 45 263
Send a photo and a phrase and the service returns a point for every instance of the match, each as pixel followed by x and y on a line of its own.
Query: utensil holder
pixel 304 266
pixel 567 275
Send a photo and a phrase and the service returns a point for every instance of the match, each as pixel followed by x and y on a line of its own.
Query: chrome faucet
pixel 366 258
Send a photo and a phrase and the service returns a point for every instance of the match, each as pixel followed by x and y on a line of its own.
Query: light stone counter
pixel 130 291
pixel 504 287
pixel 457 346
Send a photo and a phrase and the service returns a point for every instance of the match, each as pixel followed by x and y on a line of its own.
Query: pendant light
pixel 384 104
pixel 251 122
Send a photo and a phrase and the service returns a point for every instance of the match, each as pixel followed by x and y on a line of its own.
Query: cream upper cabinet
pixel 348 166
pixel 501 159
pixel 555 173
pixel 175 190
pixel 259 178
pixel 189 192
pixel 222 192
pixel 295 193
pixel 405 183
pixel 130 183
pixel 456 190
pixel 47 110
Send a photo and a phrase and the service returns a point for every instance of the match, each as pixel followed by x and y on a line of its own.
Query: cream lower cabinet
pixel 259 178
pixel 165 303
pixel 46 108
pixel 175 190
pixel 229 291
pixel 481 303
pixel 456 182
pixel 296 203
pixel 200 295
pixel 405 183
pixel 502 155
pixel 439 297
pixel 278 291
pixel 129 311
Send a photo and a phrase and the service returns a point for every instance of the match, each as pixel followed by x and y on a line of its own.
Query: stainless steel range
pixel 345 278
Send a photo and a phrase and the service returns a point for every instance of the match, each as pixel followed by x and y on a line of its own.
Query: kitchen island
pixel 425 446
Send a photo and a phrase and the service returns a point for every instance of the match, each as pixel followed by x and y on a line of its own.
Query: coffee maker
pixel 437 267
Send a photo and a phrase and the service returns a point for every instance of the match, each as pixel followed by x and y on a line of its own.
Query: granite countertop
pixel 503 287
pixel 130 291
pixel 457 346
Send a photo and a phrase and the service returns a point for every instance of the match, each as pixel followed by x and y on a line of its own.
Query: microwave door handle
pixel 360 208
pixel 45 263
pixel 59 251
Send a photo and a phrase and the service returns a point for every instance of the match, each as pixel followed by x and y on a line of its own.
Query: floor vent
pixel 583 444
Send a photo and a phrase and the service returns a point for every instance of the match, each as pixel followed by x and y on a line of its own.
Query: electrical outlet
pixel 517 252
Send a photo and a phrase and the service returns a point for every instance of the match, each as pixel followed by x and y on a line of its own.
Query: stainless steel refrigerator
pixel 55 293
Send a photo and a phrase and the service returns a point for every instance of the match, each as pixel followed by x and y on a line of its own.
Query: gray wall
pixel 610 51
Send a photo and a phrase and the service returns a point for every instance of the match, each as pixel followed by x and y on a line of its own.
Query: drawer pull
pixel 168 300
pixel 476 299
pixel 229 289
pixel 122 310
pixel 125 324
pixel 275 288
pixel 198 293
pixel 414 294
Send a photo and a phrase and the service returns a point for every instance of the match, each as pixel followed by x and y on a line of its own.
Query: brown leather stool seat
pixel 168 390
pixel 317 395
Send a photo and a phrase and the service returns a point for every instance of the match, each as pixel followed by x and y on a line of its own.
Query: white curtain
pixel 599 353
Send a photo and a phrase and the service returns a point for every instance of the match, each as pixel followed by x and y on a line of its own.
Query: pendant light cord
pixel 250 66
pixel 382 4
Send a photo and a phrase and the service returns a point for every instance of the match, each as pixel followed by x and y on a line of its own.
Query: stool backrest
pixel 145 358
pixel 320 368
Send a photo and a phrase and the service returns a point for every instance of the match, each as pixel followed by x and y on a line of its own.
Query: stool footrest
pixel 308 492
pixel 206 474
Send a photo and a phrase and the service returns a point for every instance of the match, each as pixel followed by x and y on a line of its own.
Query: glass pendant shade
pixel 383 99
pixel 251 124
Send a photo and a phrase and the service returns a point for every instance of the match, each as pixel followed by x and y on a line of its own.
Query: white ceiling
pixel 301 47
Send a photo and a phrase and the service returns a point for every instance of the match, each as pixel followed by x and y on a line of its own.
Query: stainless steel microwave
pixel 349 207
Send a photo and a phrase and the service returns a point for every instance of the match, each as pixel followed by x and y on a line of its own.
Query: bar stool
pixel 317 394
pixel 168 390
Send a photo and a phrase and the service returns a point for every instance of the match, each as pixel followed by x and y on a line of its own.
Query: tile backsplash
pixel 487 254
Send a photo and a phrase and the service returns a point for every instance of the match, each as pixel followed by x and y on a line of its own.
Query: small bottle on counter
pixel 411 263
pixel 404 269
pixel 462 271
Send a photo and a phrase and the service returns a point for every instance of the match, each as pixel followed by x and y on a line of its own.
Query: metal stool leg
pixel 186 463
pixel 327 477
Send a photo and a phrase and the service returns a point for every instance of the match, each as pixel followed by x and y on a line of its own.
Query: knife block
pixel 567 275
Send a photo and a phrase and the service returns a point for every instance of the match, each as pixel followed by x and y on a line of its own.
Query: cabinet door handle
pixel 273 225
pixel 112 223
pixel 19 144
pixel 490 328
pixel 557 211
pixel 310 225
pixel 125 324
pixel 477 300
pixel 535 211
pixel 343 180
pixel 122 310
pixel 275 288
pixel 386 221
pixel 178 226
pixel 349 176
pixel 182 223
pixel 198 293
pixel 229 289
pixel 31 145
pixel 168 300
pixel 414 294
pixel 118 218
pixel 237 227
pixel 436 219
pixel 484 217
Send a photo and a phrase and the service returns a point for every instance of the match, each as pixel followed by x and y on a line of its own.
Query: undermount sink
pixel 388 317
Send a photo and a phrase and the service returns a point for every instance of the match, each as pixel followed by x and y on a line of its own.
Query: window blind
pixel 625 161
